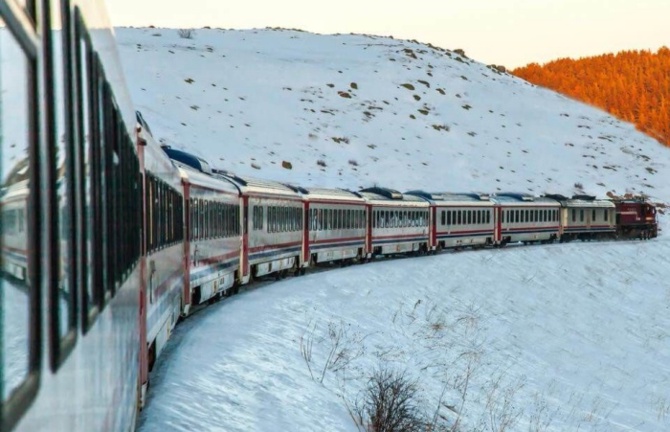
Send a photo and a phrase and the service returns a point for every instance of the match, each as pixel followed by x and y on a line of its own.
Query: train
pixel 109 238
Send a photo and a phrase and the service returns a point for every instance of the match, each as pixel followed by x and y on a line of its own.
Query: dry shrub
pixel 390 404
pixel 186 33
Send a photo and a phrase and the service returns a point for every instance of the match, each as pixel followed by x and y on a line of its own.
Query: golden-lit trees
pixel 632 85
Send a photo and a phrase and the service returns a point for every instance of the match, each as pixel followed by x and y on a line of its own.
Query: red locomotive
pixel 635 218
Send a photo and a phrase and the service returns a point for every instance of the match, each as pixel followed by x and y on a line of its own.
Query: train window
pixel 605 215
pixel 62 293
pixel 593 215
pixel 488 216
pixel 89 168
pixel 581 215
pixel 19 279
pixel 574 215
pixel 448 219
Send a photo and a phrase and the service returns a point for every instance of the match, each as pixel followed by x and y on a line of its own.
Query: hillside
pixel 550 338
pixel 418 117
pixel 631 85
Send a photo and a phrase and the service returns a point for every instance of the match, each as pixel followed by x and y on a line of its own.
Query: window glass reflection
pixel 14 194
pixel 62 198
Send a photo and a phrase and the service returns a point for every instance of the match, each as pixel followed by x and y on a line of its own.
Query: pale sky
pixel 511 32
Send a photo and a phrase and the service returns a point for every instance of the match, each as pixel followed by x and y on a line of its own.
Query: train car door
pixel 305 234
pixel 432 226
pixel 497 224
pixel 244 260
pixel 368 231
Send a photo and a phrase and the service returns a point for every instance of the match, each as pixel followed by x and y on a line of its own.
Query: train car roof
pixel 197 178
pixel 582 200
pixel 332 195
pixel 255 186
pixel 454 198
pixel 524 199
pixel 378 195
pixel 599 203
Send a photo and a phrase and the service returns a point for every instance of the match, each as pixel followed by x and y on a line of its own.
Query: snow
pixel 572 336
pixel 14 308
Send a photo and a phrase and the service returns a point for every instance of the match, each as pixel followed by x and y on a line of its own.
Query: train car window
pixel 275 219
pixel 581 215
pixel 445 218
pixel 605 215
pixel 19 217
pixel 574 215
pixel 89 168
pixel 593 215
pixel 62 293
pixel 488 216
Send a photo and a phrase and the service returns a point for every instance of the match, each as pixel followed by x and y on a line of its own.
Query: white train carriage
pixel 213 238
pixel 584 217
pixel 163 247
pixel 460 219
pixel 273 225
pixel 336 225
pixel 526 218
pixel 398 224
pixel 72 360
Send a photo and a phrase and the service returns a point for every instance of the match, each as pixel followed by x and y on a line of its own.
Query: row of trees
pixel 631 85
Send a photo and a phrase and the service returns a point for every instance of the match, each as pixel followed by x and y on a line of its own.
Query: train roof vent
pixel 188 159
pixel 517 196
pixel 385 192
pixel 557 197
pixel 477 195
pixel 584 197
pixel 424 194
pixel 298 189
pixel 358 194
pixel 229 175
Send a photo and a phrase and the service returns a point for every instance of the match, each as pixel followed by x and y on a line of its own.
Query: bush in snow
pixel 186 33
pixel 390 404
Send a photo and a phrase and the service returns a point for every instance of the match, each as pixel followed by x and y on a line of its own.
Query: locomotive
pixel 110 239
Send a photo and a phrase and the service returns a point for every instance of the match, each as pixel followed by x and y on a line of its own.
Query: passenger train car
pixel 69 316
pixel 398 223
pixel 108 239
pixel 337 221
pixel 525 218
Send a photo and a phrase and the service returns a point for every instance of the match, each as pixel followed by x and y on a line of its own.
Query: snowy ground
pixel 15 337
pixel 577 334
pixel 559 337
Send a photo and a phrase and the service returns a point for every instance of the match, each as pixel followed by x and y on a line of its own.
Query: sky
pixel 511 33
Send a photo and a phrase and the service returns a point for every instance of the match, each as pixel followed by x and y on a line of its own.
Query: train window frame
pixel 60 345
pixel 581 215
pixel 19 22
pixel 90 307
pixel 605 214
pixel 593 215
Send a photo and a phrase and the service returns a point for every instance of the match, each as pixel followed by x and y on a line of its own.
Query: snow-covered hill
pixel 376 110
pixel 559 337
